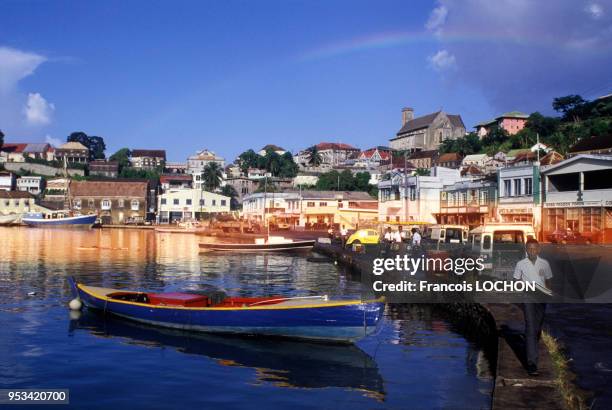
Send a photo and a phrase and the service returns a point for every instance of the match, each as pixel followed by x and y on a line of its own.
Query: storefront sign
pixel 515 210
pixel 569 204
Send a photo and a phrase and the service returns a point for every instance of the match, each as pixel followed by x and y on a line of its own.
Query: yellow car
pixel 364 236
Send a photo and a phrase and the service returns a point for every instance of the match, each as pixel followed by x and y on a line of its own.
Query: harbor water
pixel 419 359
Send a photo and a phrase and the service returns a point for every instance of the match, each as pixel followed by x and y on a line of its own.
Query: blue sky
pixel 233 75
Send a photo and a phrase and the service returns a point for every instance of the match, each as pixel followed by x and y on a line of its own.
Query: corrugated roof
pixel 450 156
pixel 37 148
pixel 418 123
pixel 423 154
pixel 73 145
pixel 344 195
pixel 513 114
pixel 108 189
pixel 335 146
pixel 13 147
pixel 15 194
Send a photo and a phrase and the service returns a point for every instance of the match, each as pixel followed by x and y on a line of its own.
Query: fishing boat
pixel 58 219
pixel 9 219
pixel 311 317
pixel 270 244
pixel 183 227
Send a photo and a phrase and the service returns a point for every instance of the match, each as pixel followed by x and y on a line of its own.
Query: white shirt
pixel 416 238
pixel 343 231
pixel 388 236
pixel 397 237
pixel 537 272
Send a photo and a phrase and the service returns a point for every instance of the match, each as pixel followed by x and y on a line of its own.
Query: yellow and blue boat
pixel 311 318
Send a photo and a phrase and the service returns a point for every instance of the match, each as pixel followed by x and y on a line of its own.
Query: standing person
pixel 397 235
pixel 402 234
pixel 388 237
pixel 537 270
pixel 343 234
pixel 416 237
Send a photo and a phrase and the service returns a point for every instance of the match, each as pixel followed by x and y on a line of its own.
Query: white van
pixel 448 233
pixel 499 244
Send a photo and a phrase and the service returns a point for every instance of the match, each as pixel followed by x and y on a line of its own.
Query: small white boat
pixel 183 227
pixel 271 244
pixel 9 219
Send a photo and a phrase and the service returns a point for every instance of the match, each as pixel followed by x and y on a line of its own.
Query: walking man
pixel 537 270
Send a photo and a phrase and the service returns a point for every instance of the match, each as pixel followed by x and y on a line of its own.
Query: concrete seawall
pixel 501 325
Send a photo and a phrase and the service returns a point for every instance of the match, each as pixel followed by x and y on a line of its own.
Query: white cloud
pixel 437 18
pixel 37 110
pixel 595 10
pixel 442 60
pixel 56 142
pixel 16 65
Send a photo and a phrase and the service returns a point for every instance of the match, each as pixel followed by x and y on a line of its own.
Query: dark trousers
pixel 534 319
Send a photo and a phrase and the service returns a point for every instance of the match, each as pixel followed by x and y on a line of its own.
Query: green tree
pixel 248 159
pixel 211 176
pixel 328 181
pixel 230 192
pixel 362 181
pixel 288 168
pixel 314 156
pixel 422 171
pixel 1 138
pixel 122 157
pixel 95 144
pixel 572 106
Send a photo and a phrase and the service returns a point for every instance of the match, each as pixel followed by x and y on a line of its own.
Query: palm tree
pixel 314 157
pixel 212 175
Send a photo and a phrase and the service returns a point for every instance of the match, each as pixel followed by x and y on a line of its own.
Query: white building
pixel 32 184
pixel 478 160
pixel 196 163
pixel 405 198
pixel 7 181
pixel 189 204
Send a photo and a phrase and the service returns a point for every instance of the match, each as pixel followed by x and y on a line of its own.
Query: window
pixel 484 197
pixel 310 204
pixel 135 204
pixel 528 186
pixel 163 201
pixel 202 202
pixel 90 203
pixel 77 204
pixel 214 202
pixel 188 201
pixel 412 193
pixel 322 203
pixel 507 187
pixel 517 187
pixel 340 204
pixel 175 201
pixel 105 204
pixel 121 203
pixel 223 202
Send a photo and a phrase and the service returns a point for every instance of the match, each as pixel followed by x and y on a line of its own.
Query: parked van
pixel 447 234
pixel 501 245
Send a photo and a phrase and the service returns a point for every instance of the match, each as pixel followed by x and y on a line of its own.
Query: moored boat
pixel 272 244
pixel 58 220
pixel 312 318
pixel 184 227
pixel 9 219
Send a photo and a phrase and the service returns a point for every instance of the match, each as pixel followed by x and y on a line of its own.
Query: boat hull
pixel 84 221
pixel 8 219
pixel 252 247
pixel 340 322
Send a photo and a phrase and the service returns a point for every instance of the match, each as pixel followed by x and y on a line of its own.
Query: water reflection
pixel 284 363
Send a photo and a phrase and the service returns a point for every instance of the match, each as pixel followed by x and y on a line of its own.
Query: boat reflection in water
pixel 284 363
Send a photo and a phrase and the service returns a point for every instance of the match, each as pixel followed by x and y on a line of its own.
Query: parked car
pixel 364 236
pixel 569 237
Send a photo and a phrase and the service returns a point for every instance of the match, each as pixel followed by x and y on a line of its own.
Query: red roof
pixel 176 177
pixel 336 146
pixel 384 155
pixel 13 147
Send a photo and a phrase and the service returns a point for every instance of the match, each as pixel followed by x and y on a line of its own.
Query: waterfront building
pixel 407 198
pixel 271 147
pixel 312 209
pixel 104 168
pixel 147 158
pixel 72 152
pixel 512 122
pixel 12 152
pixel 56 189
pixel 16 202
pixel 196 163
pixel 468 202
pixel 449 160
pixel 520 199
pixel 578 197
pixel 601 145
pixel 176 181
pixel 177 205
pixel 32 184
pixel 115 201
pixel 426 132
pixel 7 181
